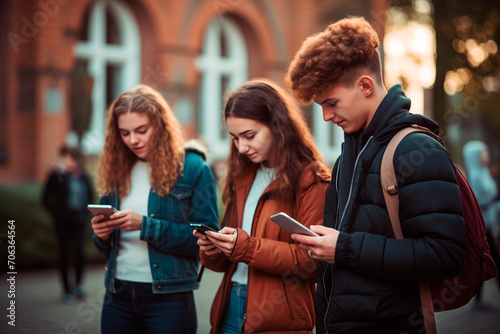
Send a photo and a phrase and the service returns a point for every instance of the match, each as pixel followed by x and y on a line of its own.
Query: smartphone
pixel 102 209
pixel 291 225
pixel 202 228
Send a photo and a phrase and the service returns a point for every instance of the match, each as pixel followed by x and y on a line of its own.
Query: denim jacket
pixel 173 250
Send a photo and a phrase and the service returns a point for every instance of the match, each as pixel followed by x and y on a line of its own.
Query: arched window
pixel 329 137
pixel 111 46
pixel 224 65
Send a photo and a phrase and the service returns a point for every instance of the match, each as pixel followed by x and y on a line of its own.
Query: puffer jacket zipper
pixel 339 225
pixel 352 181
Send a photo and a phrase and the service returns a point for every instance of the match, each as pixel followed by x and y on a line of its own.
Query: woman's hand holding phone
pixel 102 228
pixel 107 218
pixel 127 220
pixel 224 240
pixel 206 246
pixel 213 243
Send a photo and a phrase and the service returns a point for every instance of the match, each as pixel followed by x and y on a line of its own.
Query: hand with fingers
pixel 322 247
pixel 103 228
pixel 127 220
pixel 206 246
pixel 224 240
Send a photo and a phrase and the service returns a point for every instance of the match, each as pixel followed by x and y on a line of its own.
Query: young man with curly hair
pixel 368 282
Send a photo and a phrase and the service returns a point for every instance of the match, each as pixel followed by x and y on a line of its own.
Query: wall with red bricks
pixel 38 57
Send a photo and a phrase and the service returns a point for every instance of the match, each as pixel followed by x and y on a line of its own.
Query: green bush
pixel 35 238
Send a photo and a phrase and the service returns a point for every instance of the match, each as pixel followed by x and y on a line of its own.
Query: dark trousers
pixel 136 309
pixel 70 237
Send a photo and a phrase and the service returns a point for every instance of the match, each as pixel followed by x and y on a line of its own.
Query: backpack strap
pixel 391 196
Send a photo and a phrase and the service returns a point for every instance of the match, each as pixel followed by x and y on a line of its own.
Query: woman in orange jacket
pixel 273 166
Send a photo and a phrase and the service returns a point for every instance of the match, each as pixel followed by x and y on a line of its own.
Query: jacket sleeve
pixel 177 237
pixel 289 259
pixel 430 212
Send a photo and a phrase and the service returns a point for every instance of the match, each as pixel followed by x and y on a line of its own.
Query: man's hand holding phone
pixel 322 247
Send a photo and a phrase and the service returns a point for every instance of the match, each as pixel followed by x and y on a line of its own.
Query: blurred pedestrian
pixel 159 187
pixel 368 281
pixel 476 159
pixel 66 195
pixel 273 166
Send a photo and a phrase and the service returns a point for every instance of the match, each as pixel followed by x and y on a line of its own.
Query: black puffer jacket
pixel 374 282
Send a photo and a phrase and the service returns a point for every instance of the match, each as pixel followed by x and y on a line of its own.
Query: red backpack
pixel 478 266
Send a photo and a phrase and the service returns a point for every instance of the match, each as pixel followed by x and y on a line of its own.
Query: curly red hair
pixel 167 144
pixel 340 54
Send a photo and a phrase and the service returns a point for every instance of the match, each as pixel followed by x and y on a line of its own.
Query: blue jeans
pixel 234 319
pixel 136 309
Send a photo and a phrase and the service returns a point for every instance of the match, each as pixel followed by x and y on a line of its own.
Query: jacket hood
pixel 196 146
pixel 478 174
pixel 393 115
pixel 472 154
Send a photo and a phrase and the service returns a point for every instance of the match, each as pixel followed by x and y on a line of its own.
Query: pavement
pixel 39 307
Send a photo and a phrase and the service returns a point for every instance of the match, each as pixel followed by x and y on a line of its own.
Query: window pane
pixel 223 44
pixel 84 30
pixel 224 87
pixel 112 31
pixel 113 76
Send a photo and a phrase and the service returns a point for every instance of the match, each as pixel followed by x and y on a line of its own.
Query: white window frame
pixel 324 132
pixel 213 67
pixel 99 54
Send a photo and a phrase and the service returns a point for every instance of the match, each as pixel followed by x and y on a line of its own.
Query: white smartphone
pixel 102 209
pixel 291 225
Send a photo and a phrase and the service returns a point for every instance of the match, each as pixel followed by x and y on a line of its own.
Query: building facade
pixel 64 61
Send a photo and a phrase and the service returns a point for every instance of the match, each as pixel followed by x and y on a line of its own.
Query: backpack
pixel 478 265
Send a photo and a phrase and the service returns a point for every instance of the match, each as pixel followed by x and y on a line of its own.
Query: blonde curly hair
pixel 166 155
pixel 340 54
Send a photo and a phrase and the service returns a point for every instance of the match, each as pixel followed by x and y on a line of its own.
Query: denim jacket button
pixel 153 215
pixel 156 266
pixel 159 287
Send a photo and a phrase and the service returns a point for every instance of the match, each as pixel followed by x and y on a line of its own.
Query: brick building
pixel 63 61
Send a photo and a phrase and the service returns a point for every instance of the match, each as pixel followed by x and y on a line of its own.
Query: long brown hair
pixel 166 152
pixel 264 101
